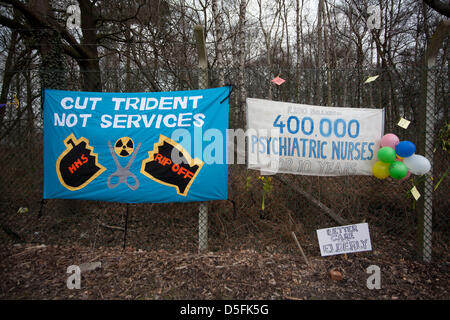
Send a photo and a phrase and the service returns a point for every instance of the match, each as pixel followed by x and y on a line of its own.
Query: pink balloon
pixel 389 140
pixel 406 177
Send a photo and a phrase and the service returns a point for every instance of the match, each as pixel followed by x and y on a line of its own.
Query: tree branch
pixel 38 21
pixel 308 196
pixel 439 6
pixel 14 25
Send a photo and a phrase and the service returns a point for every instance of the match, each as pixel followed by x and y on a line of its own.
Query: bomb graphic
pixel 78 165
pixel 171 165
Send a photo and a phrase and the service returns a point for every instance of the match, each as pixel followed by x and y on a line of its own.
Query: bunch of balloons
pixel 398 160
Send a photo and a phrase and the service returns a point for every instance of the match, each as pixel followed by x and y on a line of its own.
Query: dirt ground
pixel 39 271
pixel 250 258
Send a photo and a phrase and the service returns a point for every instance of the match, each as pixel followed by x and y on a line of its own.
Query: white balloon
pixel 417 164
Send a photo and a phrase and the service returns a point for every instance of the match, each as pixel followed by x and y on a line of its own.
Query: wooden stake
pixel 300 247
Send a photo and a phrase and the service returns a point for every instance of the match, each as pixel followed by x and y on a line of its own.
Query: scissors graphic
pixel 121 172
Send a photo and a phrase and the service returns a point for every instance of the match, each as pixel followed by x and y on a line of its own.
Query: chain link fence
pixel 396 220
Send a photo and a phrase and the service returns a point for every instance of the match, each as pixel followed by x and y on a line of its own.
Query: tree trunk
pixel 327 62
pixel 219 42
pixel 52 68
pixel 91 77
pixel 128 86
pixel 298 23
pixel 319 54
pixel 7 75
pixel 241 53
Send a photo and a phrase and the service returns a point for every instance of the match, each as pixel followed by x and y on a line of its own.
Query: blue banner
pixel 136 147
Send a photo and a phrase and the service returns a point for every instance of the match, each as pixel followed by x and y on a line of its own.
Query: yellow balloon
pixel 381 170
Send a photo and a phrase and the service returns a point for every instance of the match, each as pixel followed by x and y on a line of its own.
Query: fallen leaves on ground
pixel 34 271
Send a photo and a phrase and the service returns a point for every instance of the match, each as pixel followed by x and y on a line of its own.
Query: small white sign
pixel 344 239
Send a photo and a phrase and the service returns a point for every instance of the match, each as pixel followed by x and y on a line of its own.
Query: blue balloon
pixel 405 149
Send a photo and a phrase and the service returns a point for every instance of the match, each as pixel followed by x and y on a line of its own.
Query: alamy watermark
pixel 74 17
pixel 263 146
pixel 74 280
pixel 374 280
pixel 374 19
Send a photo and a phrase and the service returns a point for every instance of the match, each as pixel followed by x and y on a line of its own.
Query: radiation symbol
pixel 124 147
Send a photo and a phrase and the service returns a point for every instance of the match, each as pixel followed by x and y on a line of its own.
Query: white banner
pixel 344 239
pixel 312 140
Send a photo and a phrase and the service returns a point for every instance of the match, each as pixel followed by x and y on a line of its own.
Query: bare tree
pixel 439 6
pixel 219 41
pixel 299 43
pixel 268 36
pixel 241 54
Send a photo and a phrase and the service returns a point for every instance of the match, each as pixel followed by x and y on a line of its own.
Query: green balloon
pixel 398 170
pixel 386 154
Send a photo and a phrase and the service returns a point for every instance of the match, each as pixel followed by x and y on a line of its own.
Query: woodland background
pixel 323 49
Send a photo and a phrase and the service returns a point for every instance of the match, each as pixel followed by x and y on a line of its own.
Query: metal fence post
pixel 202 84
pixel 426 214
pixel 428 183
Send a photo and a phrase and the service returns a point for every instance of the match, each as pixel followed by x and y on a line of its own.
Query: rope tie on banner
pixel 229 94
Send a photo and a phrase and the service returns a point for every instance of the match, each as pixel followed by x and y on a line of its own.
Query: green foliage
pixel 443 139
pixel 267 184
pixel 267 188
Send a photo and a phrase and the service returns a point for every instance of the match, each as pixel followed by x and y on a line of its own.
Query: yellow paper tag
pixel 370 79
pixel 403 123
pixel 22 210
pixel 415 193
